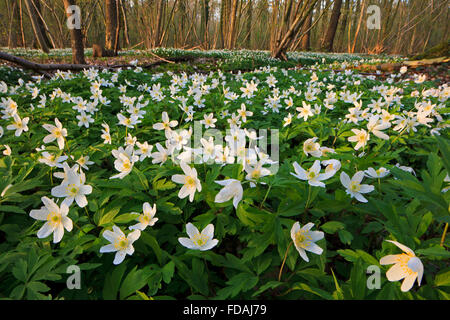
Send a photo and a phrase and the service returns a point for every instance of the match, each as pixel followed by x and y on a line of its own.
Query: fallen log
pixel 45 68
pixel 40 68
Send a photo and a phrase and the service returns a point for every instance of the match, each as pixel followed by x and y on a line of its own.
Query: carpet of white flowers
pixel 325 185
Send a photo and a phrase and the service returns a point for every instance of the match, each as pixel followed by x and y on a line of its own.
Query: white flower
pixel 232 189
pixel 361 137
pixel 124 162
pixel 161 156
pixel 19 125
pixel 56 133
pixel 287 120
pixel 332 165
pixel 243 113
pixel 73 188
pixel 119 243
pixel 304 111
pixel 199 241
pixel 375 125
pixel 312 147
pixel 127 122
pixel 379 173
pixel 106 136
pixel 145 219
pixel 166 124
pixel 84 119
pixel 312 175
pixel 304 239
pixel 256 172
pixel 7 151
pixel 84 162
pixel 209 121
pixel 189 181
pixel 354 186
pixel 56 219
pixel 51 160
pixel 406 266
pixel 144 151
pixel 210 150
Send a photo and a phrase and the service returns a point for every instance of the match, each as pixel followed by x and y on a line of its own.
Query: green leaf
pixel 332 226
pixel 239 283
pixel 134 281
pixel 168 271
pixel 442 279
pixel 112 282
pixel 318 292
pixel 358 280
pixel 20 270
pixel 436 251
pixel 109 216
pixel 444 147
pixel 268 285
pixel 153 244
pixel 345 236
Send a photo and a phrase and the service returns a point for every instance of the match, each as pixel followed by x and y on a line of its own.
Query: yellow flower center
pixel 190 182
pixel 145 219
pixel 72 190
pixel 256 173
pixel 57 133
pixel 199 239
pixel 121 243
pixel 54 218
pixel 302 240
pixel 127 165
pixel 354 186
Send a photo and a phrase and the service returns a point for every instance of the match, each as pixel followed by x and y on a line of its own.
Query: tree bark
pixel 37 27
pixel 111 24
pixel 76 38
pixel 331 32
pixel 306 39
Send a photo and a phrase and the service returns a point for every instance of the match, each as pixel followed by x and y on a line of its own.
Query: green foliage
pixel 254 238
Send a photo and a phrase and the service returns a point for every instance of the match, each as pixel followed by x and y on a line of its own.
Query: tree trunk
pixel 111 24
pixel 37 26
pixel 306 39
pixel 331 32
pixel 231 36
pixel 76 38
pixel 204 22
pixel 248 26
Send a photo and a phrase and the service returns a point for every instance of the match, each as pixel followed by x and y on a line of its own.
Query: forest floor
pixel 154 61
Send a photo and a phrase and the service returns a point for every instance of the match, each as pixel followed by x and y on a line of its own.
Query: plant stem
pixel 89 217
pixel 265 197
pixel 309 195
pixel 284 260
pixel 443 234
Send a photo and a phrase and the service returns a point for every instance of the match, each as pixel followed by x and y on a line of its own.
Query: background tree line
pixel 407 26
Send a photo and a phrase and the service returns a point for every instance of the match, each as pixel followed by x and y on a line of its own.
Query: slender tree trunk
pixel 248 25
pixel 76 38
pixel 331 32
pixel 204 23
pixel 306 39
pixel 232 30
pixel 111 24
pixel 36 26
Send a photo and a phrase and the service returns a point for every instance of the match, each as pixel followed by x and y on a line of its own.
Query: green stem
pixel 265 197
pixel 443 235
pixel 284 260
pixel 309 195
